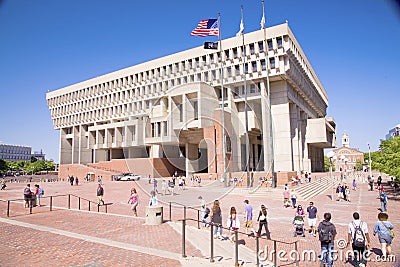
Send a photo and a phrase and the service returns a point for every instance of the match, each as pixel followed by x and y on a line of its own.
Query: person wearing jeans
pixel 327 233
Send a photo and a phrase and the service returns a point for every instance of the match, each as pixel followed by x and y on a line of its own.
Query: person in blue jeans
pixel 327 234
pixel 383 199
pixel 216 220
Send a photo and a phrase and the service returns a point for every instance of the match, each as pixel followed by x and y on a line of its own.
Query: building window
pixel 252 49
pixel 254 66
pixel 272 63
pixel 269 42
pixel 196 110
pixel 279 42
pixel 235 52
pixel 261 46
pixel 263 65
pixel 165 128
pixel 158 129
pixel 237 69
pixel 180 107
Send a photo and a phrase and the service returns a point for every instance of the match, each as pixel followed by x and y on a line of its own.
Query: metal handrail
pixel 51 203
pixel 236 243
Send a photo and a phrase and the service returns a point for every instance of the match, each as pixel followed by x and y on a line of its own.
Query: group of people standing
pixel 32 197
pixel 233 220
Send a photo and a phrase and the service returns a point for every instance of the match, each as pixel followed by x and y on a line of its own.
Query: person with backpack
pixel 327 233
pixel 27 196
pixel 383 200
pixel 359 239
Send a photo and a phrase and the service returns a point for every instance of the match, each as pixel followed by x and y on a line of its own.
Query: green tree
pixel 358 165
pixel 3 166
pixel 387 159
pixel 327 164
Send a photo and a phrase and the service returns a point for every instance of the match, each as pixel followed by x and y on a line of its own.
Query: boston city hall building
pixel 165 116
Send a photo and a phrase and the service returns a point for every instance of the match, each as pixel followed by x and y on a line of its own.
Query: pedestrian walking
pixel 155 183
pixel 327 234
pixel 354 185
pixel 134 201
pixel 312 218
pixel 3 184
pixel 203 210
pixel 248 218
pixel 100 194
pixel 383 200
pixel 359 239
pixel 76 181
pixel 233 223
pixel 153 199
pixel 27 196
pixel 384 229
pixel 286 195
pixel 216 219
pixel 164 187
pixel 293 198
pixel 71 180
pixel 263 221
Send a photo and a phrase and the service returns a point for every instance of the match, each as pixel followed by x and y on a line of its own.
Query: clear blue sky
pixel 353 45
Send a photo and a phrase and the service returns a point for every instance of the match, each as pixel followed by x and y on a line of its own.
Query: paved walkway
pixel 80 238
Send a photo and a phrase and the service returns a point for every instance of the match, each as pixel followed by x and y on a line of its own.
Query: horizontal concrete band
pixel 103 241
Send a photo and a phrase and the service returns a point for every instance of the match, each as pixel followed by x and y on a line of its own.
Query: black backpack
pixel 358 236
pixel 325 235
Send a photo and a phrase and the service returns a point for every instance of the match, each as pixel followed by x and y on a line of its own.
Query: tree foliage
pixel 27 166
pixel 327 164
pixel 387 159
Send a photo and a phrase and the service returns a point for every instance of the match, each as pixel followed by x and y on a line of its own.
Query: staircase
pixel 315 188
pixel 304 191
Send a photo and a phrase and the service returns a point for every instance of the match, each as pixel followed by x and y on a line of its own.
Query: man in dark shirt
pixel 312 218
pixel 327 234
pixel 100 193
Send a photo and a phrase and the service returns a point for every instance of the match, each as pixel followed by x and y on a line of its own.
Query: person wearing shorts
pixel 248 216
pixel 312 218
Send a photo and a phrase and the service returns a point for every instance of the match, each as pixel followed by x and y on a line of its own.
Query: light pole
pixel 369 161
pixel 332 156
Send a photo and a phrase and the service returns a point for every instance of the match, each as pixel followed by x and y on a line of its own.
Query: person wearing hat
pixel 248 217
pixel 262 220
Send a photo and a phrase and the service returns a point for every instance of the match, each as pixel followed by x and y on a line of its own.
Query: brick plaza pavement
pixel 80 238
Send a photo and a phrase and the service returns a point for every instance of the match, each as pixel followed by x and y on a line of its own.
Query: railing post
pixel 198 219
pixel 170 210
pixel 30 206
pixel 184 212
pixel 79 203
pixel 51 203
pixel 236 249
pixel 297 254
pixel 89 204
pixel 257 250
pixel 69 201
pixel 106 208
pixel 8 208
pixel 183 238
pixel 275 265
pixel 98 207
pixel 212 243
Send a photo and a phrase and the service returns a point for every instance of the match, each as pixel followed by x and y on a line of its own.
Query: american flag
pixel 206 27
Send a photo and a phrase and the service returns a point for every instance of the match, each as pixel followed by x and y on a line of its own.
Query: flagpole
pixel 223 102
pixel 271 136
pixel 245 102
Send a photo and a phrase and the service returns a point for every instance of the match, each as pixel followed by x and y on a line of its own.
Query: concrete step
pixel 315 188
pixel 224 250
